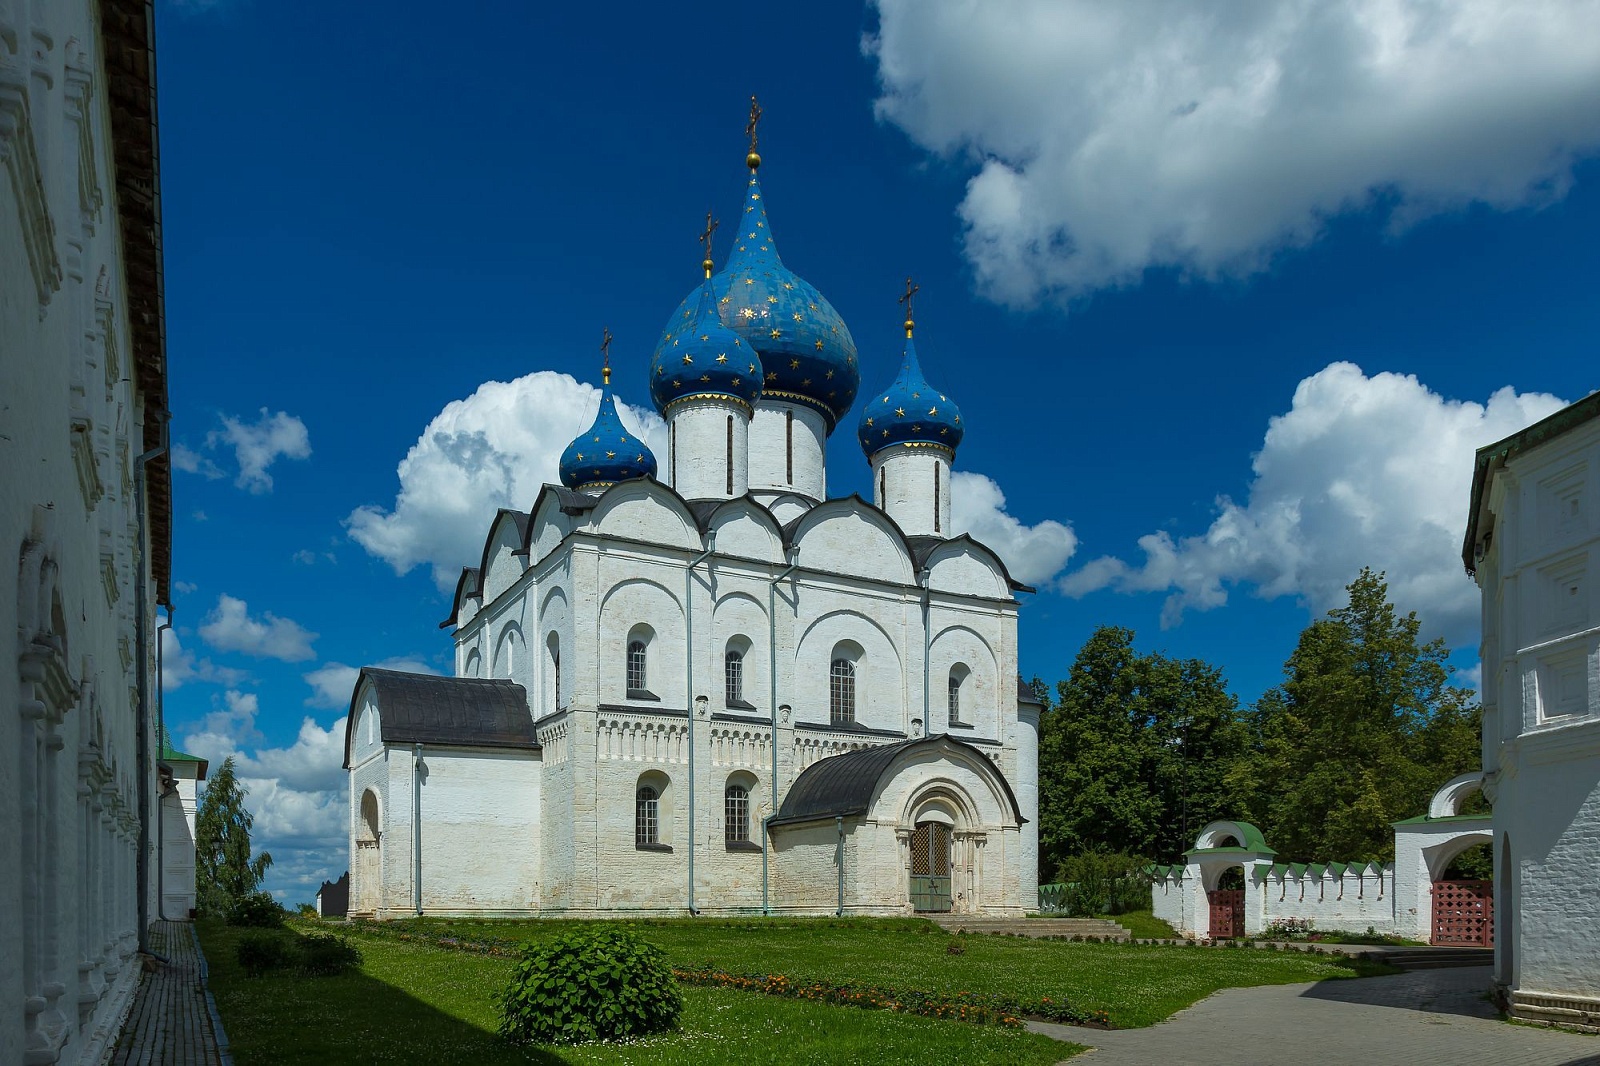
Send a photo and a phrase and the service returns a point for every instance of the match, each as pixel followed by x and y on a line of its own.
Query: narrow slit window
pixel 730 455
pixel 788 446
pixel 936 497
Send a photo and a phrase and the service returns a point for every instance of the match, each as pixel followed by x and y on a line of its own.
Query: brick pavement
pixel 171 1022
pixel 1420 1018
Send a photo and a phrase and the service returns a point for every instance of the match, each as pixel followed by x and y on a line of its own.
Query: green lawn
pixel 414 1004
pixel 1143 925
pixel 1136 984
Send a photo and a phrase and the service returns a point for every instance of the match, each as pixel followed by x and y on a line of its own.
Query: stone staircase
pixel 1430 958
pixel 1033 927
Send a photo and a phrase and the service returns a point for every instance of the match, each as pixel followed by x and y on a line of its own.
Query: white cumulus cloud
pixel 297 793
pixel 1360 471
pixel 332 683
pixel 257 445
pixel 1033 554
pixel 180 666
pixel 1114 137
pixel 493 449
pixel 230 627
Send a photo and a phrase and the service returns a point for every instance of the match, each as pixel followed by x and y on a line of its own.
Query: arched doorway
pixel 930 868
pixel 369 854
pixel 1463 893
pixel 1227 904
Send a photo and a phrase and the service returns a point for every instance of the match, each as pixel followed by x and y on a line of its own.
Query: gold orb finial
pixel 753 161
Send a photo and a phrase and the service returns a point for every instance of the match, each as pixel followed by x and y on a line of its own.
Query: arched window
pixel 553 646
pixel 842 692
pixel 646 817
pixel 958 679
pixel 733 671
pixel 637 661
pixel 736 812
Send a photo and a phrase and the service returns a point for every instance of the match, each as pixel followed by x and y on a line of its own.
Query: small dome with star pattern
pixel 806 352
pixel 704 359
pixel 909 413
pixel 606 452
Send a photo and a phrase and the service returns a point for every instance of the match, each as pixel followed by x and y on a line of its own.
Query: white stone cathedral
pixel 712 688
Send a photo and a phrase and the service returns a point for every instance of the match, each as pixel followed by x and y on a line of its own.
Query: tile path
pixel 1418 1018
pixel 172 1022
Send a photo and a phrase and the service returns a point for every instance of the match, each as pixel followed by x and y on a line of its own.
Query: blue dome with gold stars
pixel 806 353
pixel 909 413
pixel 606 452
pixel 704 359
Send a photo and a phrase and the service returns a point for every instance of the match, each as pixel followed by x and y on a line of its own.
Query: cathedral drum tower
pixel 910 432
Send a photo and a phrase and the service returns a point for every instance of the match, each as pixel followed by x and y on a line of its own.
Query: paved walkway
pixel 1418 1019
pixel 171 1022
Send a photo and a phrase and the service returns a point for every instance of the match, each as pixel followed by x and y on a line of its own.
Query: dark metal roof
pixel 457 712
pixel 1025 694
pixel 844 784
pixel 335 896
pixel 470 583
pixel 1491 456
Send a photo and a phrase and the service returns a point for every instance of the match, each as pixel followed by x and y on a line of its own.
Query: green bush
pixel 1098 882
pixel 257 910
pixel 259 952
pixel 597 984
pixel 324 955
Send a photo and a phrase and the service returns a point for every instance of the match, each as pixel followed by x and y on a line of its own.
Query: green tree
pixel 1363 729
pixel 1136 752
pixel 223 867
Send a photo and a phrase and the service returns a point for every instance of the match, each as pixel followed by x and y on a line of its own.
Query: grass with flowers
pixel 411 1002
pixel 1126 985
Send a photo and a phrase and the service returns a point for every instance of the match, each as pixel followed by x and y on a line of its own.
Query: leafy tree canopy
pixel 223 867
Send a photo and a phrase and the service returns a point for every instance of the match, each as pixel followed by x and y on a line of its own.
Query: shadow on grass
pixel 285 1018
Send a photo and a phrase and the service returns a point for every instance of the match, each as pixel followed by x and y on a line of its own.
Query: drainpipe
pixel 838 820
pixel 927 645
pixel 142 680
pixel 688 688
pixel 161 734
pixel 772 661
pixel 416 823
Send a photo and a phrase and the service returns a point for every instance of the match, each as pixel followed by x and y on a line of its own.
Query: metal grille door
pixel 1227 913
pixel 930 868
pixel 1463 913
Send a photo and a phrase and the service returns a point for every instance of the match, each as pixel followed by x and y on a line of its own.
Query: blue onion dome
pixel 704 359
pixel 806 352
pixel 910 413
pixel 606 452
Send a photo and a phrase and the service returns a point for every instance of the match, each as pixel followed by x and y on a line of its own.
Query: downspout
pixel 839 822
pixel 688 688
pixel 772 661
pixel 416 824
pixel 161 732
pixel 142 680
pixel 927 647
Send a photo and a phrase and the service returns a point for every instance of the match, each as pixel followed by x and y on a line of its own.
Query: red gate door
pixel 1227 912
pixel 1463 913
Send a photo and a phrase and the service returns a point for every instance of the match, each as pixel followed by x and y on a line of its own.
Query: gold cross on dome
pixel 705 240
pixel 906 299
pixel 605 355
pixel 755 120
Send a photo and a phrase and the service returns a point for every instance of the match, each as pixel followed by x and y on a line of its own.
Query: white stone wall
pixel 912 485
pixel 699 453
pixel 789 449
pixel 1541 723
pixel 1351 899
pixel 178 810
pixel 71 423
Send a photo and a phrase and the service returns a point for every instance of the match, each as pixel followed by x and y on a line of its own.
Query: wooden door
pixel 1227 912
pixel 930 868
pixel 1463 913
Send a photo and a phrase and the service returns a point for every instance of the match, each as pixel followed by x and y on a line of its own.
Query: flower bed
pixel 979 1007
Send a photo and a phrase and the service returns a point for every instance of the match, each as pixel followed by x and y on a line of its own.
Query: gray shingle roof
pixel 460 712
pixel 843 784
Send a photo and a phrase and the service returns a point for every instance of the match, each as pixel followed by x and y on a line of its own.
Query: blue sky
pixel 368 216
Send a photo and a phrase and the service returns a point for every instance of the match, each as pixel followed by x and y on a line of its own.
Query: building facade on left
pixel 85 514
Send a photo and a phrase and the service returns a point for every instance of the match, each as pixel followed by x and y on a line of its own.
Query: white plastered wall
pixel 699 432
pixel 788 449
pixel 912 485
